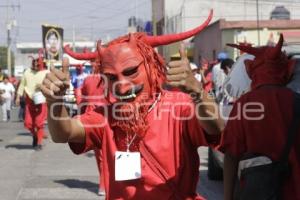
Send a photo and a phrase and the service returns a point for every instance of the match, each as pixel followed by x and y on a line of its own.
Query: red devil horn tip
pixel 281 36
pixel 275 52
pixel 211 12
pixel 232 45
pixel 171 38
pixel 67 46
pixel 281 39
pixel 247 49
pixel 80 56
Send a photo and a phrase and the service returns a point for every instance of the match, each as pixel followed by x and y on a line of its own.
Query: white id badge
pixel 127 165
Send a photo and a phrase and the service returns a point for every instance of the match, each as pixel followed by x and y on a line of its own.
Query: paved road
pixel 55 173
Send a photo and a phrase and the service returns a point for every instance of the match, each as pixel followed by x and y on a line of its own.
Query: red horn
pixel 80 56
pixel 171 38
pixel 31 57
pixel 276 51
pixel 247 49
pixel 98 47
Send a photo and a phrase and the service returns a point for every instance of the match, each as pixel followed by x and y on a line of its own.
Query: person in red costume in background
pixel 149 136
pixel 35 112
pixel 206 71
pixel 264 131
pixel 91 96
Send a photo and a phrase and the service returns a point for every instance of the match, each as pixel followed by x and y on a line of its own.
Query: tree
pixel 3 58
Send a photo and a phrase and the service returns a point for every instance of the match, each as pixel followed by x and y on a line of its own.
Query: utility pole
pixel 8 50
pixel 9 24
pixel 257 23
pixel 182 17
pixel 73 38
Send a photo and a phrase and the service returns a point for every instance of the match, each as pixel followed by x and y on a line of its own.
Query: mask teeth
pixel 127 97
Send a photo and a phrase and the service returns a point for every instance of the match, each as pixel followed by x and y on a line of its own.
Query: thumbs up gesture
pixel 56 83
pixel 179 74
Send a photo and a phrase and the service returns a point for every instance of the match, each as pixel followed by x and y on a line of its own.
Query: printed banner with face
pixel 53 42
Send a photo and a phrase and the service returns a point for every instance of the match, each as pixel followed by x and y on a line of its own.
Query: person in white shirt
pixel 6 90
pixel 218 75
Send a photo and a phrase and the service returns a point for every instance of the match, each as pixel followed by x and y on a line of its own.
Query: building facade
pixel 213 40
pixel 174 16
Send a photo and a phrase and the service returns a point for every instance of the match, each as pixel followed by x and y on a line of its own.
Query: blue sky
pixel 91 19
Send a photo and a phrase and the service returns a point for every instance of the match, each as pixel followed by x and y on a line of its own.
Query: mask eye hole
pixel 111 77
pixel 130 71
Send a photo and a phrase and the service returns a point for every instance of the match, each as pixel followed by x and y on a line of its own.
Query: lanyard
pixel 129 143
pixel 149 110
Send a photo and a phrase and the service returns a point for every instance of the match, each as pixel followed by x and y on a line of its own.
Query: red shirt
pixel 208 85
pixel 172 141
pixel 92 92
pixel 268 135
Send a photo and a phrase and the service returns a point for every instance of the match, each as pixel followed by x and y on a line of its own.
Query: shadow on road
pixel 24 134
pixel 74 183
pixel 16 121
pixel 209 189
pixel 19 146
pixel 90 154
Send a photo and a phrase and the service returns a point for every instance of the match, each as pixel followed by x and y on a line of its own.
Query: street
pixel 56 173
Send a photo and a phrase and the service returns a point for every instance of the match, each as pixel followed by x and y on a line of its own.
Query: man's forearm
pixel 209 115
pixel 59 123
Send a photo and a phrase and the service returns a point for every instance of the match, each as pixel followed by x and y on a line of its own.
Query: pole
pixel 8 62
pixel 182 13
pixel 257 23
pixel 9 25
pixel 154 20
pixel 8 51
pixel 73 34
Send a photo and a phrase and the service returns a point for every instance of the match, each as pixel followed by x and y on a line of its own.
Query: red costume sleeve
pixel 94 127
pixel 233 137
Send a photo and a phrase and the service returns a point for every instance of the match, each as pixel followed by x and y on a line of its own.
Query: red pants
pixel 98 155
pixel 35 117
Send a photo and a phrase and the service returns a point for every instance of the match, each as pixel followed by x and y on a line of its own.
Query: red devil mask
pixel 132 67
pixel 38 64
pixel 270 66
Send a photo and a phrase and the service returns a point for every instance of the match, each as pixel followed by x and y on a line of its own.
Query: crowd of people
pixel 145 118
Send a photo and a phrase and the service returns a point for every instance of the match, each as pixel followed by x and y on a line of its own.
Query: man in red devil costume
pixel 35 114
pixel 148 136
pixel 92 96
pixel 264 128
